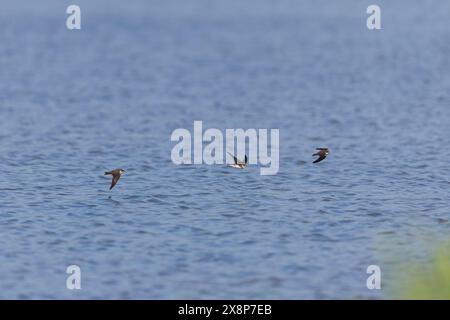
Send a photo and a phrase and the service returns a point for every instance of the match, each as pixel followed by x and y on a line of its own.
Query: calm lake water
pixel 74 104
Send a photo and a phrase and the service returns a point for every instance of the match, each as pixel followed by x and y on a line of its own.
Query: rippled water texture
pixel 74 104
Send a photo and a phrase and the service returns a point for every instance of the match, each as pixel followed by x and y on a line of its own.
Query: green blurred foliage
pixel 431 282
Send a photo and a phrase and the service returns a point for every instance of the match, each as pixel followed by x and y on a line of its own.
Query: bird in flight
pixel 116 173
pixel 238 163
pixel 322 153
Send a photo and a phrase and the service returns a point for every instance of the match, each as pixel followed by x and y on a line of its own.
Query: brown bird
pixel 116 173
pixel 323 152
pixel 238 163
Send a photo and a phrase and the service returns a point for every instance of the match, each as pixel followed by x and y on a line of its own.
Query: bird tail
pixel 107 172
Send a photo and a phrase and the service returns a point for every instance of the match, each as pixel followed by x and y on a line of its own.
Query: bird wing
pixel 246 159
pixel 235 159
pixel 320 158
pixel 115 179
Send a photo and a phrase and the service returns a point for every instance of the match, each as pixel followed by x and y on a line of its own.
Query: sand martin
pixel 116 173
pixel 237 163
pixel 323 152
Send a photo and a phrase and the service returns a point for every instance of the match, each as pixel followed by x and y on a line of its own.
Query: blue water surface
pixel 74 104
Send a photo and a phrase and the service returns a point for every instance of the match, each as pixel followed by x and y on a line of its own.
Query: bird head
pixel 121 171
